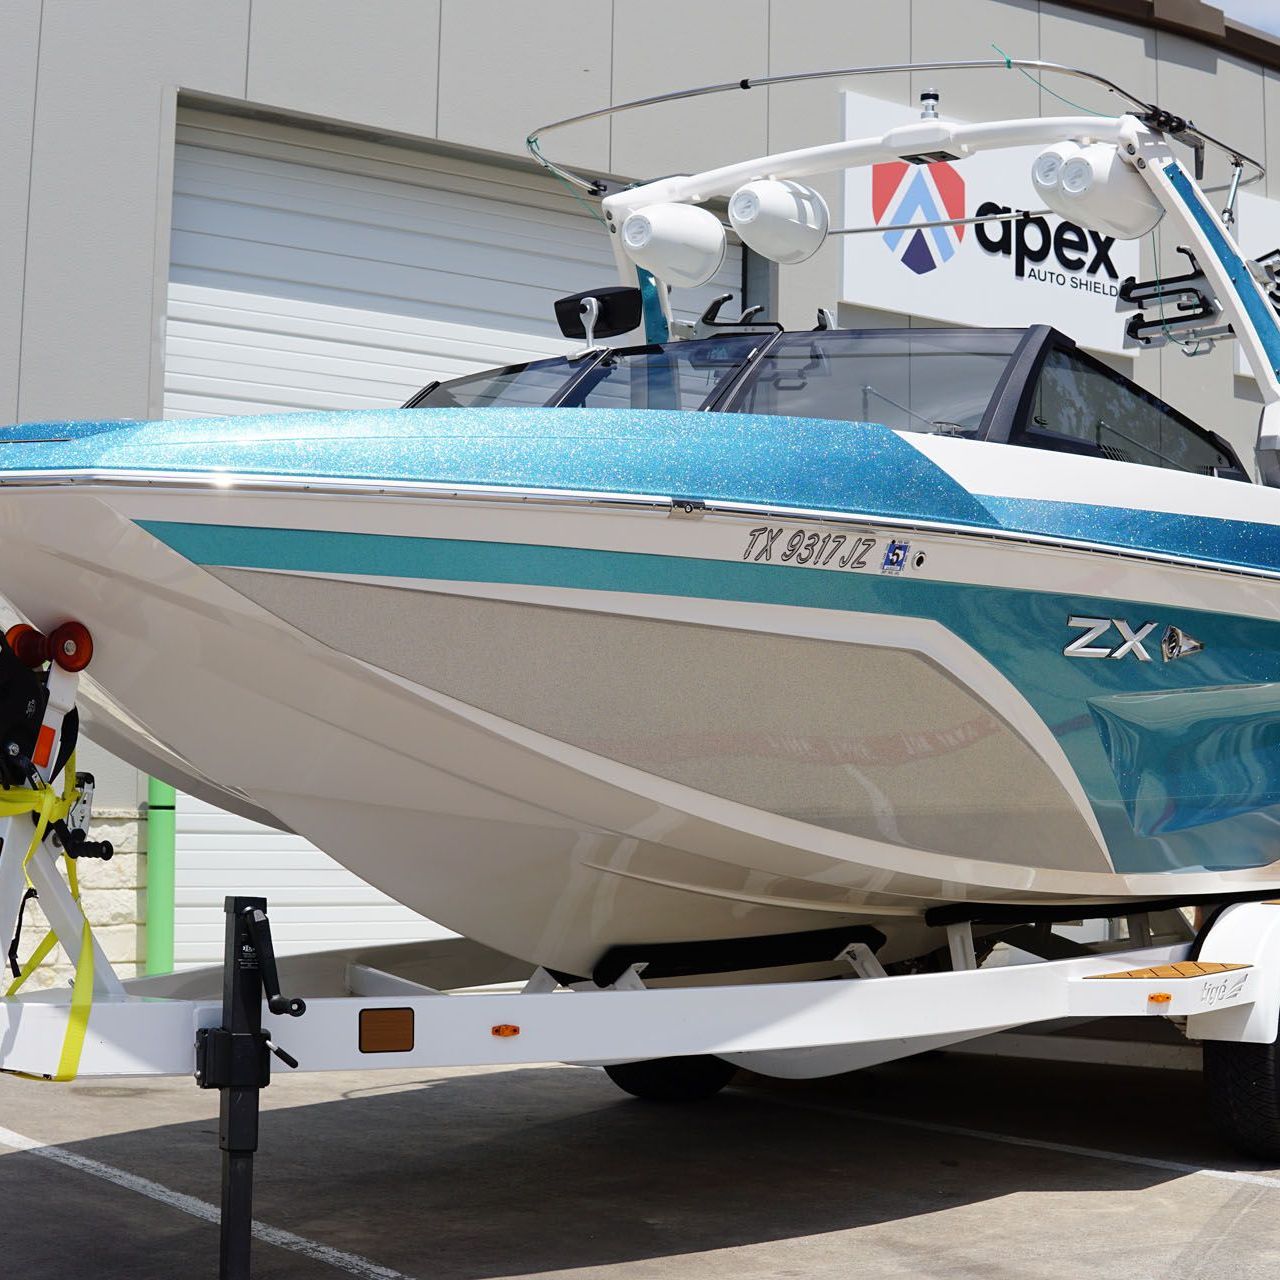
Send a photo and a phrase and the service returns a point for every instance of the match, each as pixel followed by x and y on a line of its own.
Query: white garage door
pixel 315 903
pixel 313 271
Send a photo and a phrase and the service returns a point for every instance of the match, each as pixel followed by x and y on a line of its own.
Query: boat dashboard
pixel 1030 387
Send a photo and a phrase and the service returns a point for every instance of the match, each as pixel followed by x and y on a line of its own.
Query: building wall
pixel 89 92
pixel 89 97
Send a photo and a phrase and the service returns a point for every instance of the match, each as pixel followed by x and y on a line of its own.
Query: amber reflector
pixel 1160 997
pixel 505 1030
pixel 386 1030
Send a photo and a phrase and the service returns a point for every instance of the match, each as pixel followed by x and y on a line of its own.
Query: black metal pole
pixel 238 1113
pixel 235 1059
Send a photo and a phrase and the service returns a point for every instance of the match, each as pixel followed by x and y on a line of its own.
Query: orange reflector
pixel 44 746
pixel 1159 997
pixel 505 1030
pixel 386 1030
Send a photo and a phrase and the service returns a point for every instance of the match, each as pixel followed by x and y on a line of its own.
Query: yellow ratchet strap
pixel 49 806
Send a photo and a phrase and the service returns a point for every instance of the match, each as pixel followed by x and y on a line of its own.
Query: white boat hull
pixel 555 770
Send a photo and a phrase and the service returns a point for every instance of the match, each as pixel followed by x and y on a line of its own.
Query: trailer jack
pixel 235 1059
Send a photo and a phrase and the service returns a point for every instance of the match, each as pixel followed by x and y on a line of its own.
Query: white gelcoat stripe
pixel 1000 470
pixel 1063 1148
pixel 351 1263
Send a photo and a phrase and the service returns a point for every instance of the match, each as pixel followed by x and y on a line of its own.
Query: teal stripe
pixel 454 560
pixel 393 556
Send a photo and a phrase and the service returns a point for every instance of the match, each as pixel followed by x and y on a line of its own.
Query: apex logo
pixel 902 192
pixel 1029 240
pixel 1175 643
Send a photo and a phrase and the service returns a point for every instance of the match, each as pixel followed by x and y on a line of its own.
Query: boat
pixel 727 633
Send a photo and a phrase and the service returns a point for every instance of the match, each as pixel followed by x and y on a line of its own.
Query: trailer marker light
pixel 386 1030
pixel 1159 997
pixel 505 1030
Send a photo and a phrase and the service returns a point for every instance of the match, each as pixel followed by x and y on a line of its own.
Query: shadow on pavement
pixel 548 1169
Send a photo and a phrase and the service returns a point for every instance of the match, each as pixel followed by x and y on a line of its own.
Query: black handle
pixel 260 932
pixel 287 1058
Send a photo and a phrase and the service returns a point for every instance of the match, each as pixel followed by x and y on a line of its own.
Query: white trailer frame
pixel 788 1029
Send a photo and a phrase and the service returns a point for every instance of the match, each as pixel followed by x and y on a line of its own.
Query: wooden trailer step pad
pixel 1183 969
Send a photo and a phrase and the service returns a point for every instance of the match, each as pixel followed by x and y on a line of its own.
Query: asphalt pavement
pixel 944 1165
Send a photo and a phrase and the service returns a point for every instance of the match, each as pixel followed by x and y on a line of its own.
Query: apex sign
pixel 1029 240
pixel 1033 269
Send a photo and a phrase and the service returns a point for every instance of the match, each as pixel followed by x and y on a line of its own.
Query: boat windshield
pixel 931 380
pixel 935 380
pixel 683 375
pixel 1027 387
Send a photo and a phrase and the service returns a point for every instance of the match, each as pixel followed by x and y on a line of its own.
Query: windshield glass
pixel 525 385
pixel 930 380
pixel 680 376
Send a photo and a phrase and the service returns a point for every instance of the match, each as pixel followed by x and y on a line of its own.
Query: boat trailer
pixel 454 1002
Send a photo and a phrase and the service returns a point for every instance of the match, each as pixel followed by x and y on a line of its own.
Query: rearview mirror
pixel 620 308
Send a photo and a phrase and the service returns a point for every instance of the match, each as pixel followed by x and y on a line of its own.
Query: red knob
pixel 71 646
pixel 29 646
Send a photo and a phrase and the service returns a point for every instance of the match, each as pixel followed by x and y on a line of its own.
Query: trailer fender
pixel 1244 933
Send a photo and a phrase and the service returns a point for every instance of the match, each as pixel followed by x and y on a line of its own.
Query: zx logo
pixel 1084 646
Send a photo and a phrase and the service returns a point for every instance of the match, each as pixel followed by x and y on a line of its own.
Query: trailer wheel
pixel 691 1079
pixel 1244 1094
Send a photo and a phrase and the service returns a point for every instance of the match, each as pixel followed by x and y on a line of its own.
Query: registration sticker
pixel 895 557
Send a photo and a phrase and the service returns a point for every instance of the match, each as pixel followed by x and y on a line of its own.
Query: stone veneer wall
pixel 114 895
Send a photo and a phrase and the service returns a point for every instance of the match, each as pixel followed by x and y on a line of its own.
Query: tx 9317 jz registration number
pixel 801 546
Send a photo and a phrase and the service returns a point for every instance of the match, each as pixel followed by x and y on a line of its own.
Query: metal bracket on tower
pixel 709 324
pixel 1186 311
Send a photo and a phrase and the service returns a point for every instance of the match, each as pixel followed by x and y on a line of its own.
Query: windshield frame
pixel 1011 402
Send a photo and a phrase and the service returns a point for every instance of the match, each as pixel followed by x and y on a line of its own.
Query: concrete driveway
pixel 941 1166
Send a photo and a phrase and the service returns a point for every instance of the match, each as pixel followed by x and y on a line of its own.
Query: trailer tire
pixel 1243 1081
pixel 691 1079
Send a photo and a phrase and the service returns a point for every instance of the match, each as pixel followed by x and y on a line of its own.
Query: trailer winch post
pixel 235 1059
